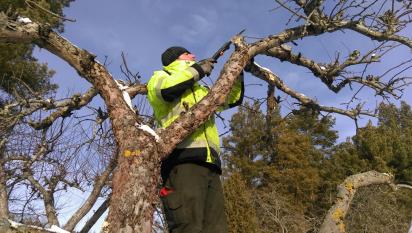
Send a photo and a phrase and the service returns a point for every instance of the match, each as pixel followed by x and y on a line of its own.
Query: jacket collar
pixel 178 66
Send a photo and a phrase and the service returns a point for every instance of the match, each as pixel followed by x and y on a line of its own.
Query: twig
pixel 404 186
pixel 28 2
pixel 129 75
pixel 294 12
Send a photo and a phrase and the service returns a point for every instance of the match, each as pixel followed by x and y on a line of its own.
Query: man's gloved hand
pixel 207 65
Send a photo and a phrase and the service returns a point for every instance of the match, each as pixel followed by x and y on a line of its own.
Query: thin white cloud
pixel 198 25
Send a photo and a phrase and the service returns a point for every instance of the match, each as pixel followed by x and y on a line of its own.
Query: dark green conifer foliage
pixel 20 73
pixel 388 146
pixel 239 210
pixel 291 159
pixel 292 165
pixel 343 162
pixel 281 157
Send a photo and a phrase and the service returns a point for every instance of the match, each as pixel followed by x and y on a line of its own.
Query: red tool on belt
pixel 165 191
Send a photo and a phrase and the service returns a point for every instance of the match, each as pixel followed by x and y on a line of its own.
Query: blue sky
pixel 144 29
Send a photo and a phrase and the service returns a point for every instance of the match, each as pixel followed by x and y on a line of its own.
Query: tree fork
pixel 136 178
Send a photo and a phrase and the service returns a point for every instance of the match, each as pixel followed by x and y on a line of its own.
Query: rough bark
pixel 4 204
pixel 271 100
pixel 4 201
pixel 334 220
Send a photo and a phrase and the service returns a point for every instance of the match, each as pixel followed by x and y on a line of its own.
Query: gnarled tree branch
pixel 99 212
pixel 88 204
pixel 268 76
pixel 334 220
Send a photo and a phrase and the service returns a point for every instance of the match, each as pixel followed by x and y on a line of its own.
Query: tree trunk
pixel 271 101
pixel 4 205
pixel 134 195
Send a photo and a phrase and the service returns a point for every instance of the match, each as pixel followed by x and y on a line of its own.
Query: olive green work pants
pixel 195 203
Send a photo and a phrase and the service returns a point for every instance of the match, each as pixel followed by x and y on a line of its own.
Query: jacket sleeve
pixel 174 85
pixel 235 96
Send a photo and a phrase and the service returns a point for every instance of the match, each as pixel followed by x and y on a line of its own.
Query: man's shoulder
pixel 158 74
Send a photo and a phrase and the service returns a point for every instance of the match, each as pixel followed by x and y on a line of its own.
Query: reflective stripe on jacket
pixel 174 90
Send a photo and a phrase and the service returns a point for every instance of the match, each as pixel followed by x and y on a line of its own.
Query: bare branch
pixel 267 75
pixel 88 204
pixel 137 89
pixel 66 107
pixel 97 214
pixel 376 35
pixel 404 186
pixel 131 77
pixel 329 72
pixel 300 16
pixel 29 3
pixel 48 198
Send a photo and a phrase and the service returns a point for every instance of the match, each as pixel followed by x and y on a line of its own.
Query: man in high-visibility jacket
pixel 192 195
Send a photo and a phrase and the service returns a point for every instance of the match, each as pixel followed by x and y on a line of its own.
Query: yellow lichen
pixel 349 186
pixel 337 215
pixel 128 153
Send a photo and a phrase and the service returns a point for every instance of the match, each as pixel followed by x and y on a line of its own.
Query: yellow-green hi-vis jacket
pixel 174 90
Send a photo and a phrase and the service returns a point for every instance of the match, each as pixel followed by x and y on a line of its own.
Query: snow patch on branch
pixel 263 68
pixel 23 20
pixel 16 225
pixel 57 229
pixel 71 44
pixel 53 228
pixel 149 130
pixel 404 186
pixel 126 95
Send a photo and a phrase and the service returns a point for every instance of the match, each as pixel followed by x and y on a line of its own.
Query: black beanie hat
pixel 172 53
